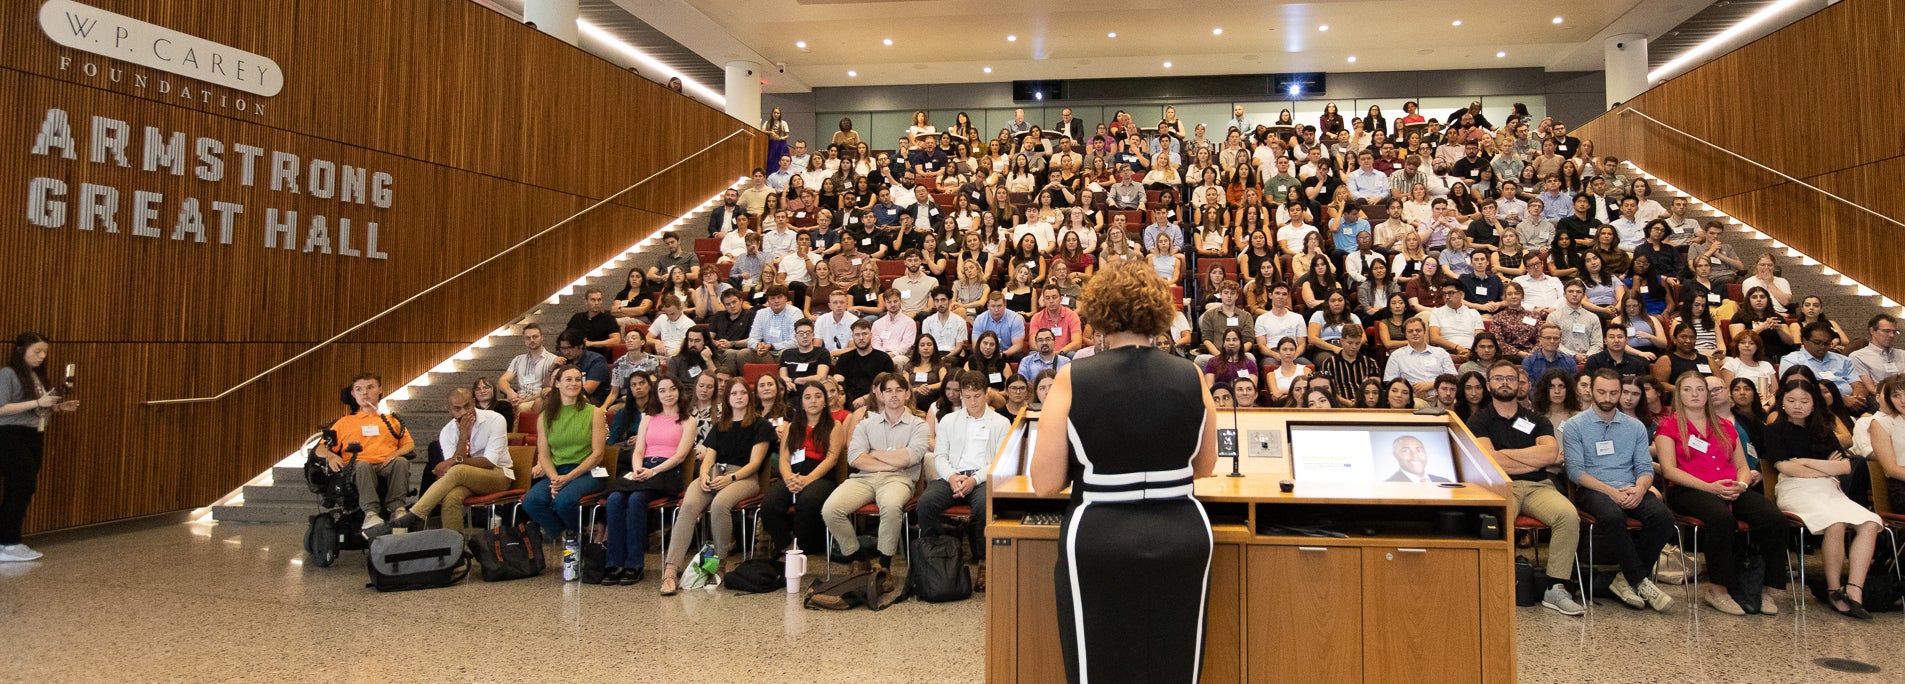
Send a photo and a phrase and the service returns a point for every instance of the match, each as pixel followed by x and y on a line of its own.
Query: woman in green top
pixel 730 457
pixel 573 434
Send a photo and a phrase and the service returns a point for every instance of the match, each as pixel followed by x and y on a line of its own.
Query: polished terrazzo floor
pixel 208 602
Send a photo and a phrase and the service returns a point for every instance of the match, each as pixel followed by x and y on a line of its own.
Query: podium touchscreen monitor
pixel 1339 453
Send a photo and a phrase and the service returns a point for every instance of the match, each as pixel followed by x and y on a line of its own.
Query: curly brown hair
pixel 1127 297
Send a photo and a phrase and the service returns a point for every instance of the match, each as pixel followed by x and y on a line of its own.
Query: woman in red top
pixel 1708 479
pixel 811 444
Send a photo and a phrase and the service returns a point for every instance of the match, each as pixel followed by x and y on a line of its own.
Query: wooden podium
pixel 1398 599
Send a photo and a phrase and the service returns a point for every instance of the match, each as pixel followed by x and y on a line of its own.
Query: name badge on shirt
pixel 995 377
pixel 371 431
pixel 1481 291
pixel 1243 373
pixel 919 377
pixel 1530 320
pixel 857 261
pixel 1697 444
pixel 1058 332
pixel 1067 301
pixel 1524 425
pixel 1604 447
pixel 1009 296
pixel 1713 260
pixel 798 457
pixel 906 294
pixel 800 214
pixel 1643 289
pixel 1631 332
pixel 1713 297
pixel 694 372
pixel 1580 328
pixel 1703 368
pixel 1891 366
pixel 865 242
pixel 1231 321
pixel 800 368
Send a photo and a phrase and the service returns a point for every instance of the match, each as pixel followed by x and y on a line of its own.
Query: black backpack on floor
pixel 934 573
pixel 333 532
pixel 755 576
pixel 507 553
pixel 418 560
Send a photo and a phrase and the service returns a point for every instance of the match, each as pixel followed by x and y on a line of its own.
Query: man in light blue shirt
pixel 1162 224
pixel 1238 121
pixel 1366 184
pixel 1008 325
pixel 773 329
pixel 1607 457
pixel 1047 357
pixel 1816 354
pixel 778 179
pixel 1345 228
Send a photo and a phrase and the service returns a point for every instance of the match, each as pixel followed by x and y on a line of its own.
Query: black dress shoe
pixel 608 577
pixel 631 576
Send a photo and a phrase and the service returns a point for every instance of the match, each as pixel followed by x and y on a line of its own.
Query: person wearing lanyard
pixel 965 444
pixel 28 402
pixel 1607 458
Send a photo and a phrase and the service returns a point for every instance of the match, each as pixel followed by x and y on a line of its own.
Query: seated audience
pixel 655 466
pixel 1523 443
pixel 475 463
pixel 1708 479
pixel 383 458
pixel 730 457
pixel 1608 461
pixel 573 432
pixel 1801 447
pixel 884 453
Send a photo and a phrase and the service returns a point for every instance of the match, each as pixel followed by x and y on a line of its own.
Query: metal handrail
pixel 1768 169
pixel 446 281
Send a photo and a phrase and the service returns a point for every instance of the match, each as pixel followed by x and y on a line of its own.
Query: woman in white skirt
pixel 1801 445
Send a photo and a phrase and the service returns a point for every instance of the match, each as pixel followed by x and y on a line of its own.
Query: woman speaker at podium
pixel 1129 428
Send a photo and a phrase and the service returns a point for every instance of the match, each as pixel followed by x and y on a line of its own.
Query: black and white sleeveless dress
pixel 1133 567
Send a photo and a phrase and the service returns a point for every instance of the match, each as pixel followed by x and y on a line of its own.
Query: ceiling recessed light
pixel 1167 65
pixel 1113 34
pixel 1352 59
pixel 1324 27
pixel 851 73
pixel 1500 55
pixel 1217 31
pixel 1557 20
pixel 988 70
pixel 1457 22
pixel 889 42
pixel 1011 38
pixel 800 44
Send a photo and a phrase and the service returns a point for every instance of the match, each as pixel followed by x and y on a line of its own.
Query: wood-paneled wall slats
pixel 1814 100
pixel 492 132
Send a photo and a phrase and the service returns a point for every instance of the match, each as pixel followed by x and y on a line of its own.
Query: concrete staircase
pixel 280 495
pixel 1848 304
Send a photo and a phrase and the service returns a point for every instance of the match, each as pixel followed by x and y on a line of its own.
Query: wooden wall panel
pixel 1813 100
pixel 492 132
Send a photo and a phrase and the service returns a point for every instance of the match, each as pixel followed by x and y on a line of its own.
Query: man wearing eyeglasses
pixel 1877 360
pixel 1524 445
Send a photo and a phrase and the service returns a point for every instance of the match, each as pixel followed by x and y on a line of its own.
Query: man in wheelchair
pixel 376 449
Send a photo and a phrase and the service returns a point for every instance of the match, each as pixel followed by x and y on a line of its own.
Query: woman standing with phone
pixel 27 401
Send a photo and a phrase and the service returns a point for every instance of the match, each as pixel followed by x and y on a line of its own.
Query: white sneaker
pixel 1559 600
pixel 372 520
pixel 1656 599
pixel 1625 592
pixel 18 553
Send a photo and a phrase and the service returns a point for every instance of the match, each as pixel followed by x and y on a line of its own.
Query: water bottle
pixel 796 567
pixel 570 560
